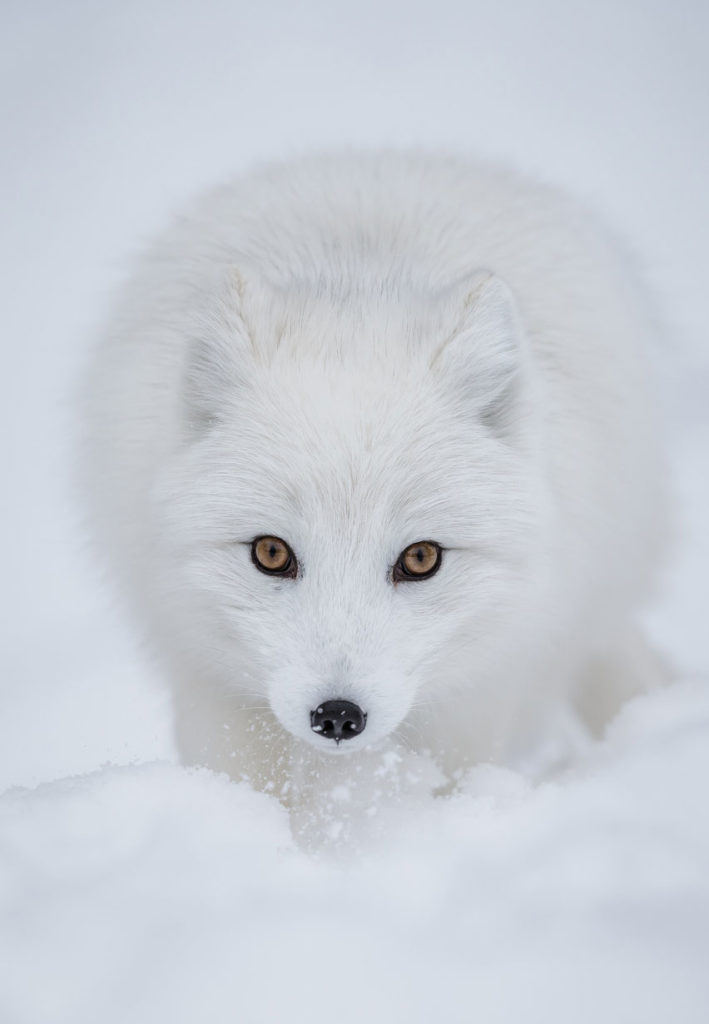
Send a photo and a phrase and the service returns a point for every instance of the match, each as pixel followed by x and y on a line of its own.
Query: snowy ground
pixel 153 893
pixel 143 892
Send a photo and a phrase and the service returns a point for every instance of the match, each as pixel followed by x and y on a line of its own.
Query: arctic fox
pixel 371 450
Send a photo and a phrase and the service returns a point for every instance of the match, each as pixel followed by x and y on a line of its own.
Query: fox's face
pixel 353 516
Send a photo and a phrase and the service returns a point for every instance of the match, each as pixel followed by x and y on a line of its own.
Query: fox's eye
pixel 418 561
pixel 273 556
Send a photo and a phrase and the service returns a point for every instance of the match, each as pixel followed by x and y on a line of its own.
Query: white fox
pixel 371 450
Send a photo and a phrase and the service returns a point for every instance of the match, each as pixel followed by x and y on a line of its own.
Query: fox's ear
pixel 486 356
pixel 217 355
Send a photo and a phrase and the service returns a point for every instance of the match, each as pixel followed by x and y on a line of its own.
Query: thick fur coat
pixel 356 353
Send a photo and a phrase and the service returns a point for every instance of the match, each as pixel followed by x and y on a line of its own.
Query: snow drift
pixel 152 893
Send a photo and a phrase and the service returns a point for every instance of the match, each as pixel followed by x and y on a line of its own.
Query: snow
pixel 158 893
pixel 135 890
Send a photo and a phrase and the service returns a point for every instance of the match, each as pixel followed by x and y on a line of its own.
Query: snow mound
pixel 158 894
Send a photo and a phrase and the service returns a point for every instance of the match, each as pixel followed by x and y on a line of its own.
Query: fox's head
pixel 352 503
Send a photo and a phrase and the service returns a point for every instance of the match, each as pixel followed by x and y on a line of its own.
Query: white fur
pixel 354 353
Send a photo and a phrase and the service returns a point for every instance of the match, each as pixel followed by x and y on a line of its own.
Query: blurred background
pixel 112 114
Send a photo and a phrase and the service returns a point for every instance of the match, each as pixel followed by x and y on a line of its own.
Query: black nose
pixel 338 720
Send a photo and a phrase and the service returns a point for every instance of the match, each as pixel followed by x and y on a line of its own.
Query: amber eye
pixel 418 561
pixel 273 556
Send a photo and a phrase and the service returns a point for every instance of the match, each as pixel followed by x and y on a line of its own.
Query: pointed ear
pixel 217 355
pixel 486 357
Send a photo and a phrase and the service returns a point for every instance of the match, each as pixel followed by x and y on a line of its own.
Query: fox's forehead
pixel 350 457
pixel 352 425
pixel 361 417
pixel 353 404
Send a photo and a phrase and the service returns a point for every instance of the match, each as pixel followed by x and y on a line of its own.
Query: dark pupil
pixel 275 553
pixel 419 554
